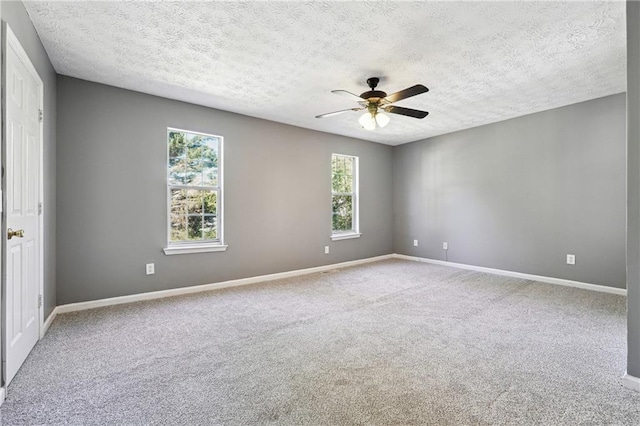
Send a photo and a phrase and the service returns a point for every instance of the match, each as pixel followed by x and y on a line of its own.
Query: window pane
pixel 178 215
pixel 193 160
pixel 342 223
pixel 210 228
pixel 334 173
pixel 195 199
pixel 179 229
pixel 210 175
pixel 193 172
pixel 342 212
pixel 176 144
pixel 195 227
pixel 210 161
pixel 210 202
pixel 342 174
pixel 342 182
pixel 348 184
pixel 210 150
pixel 338 180
pixel 176 171
pixel 348 169
pixel 176 158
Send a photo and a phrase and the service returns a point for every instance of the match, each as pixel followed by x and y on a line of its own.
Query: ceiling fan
pixel 376 101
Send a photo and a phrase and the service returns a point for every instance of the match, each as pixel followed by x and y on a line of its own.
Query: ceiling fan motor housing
pixel 379 94
pixel 373 93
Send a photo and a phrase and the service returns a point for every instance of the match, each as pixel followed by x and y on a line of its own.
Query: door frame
pixel 10 40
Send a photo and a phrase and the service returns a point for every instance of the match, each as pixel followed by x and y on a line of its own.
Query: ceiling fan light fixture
pixel 367 121
pixel 382 119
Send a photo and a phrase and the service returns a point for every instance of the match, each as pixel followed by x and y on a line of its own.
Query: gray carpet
pixel 393 342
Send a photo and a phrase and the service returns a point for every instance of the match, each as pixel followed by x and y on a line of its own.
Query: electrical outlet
pixel 445 245
pixel 415 243
pixel 571 259
pixel 151 269
pixel 326 249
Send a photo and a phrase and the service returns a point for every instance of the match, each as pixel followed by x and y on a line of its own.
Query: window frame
pixel 187 247
pixel 354 232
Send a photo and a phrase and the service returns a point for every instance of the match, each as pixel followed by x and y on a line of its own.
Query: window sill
pixel 345 236
pixel 193 249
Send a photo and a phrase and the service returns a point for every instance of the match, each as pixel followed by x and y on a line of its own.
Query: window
pixel 194 192
pixel 344 197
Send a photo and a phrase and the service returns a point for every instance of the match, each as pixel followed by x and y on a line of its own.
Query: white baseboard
pixel 80 306
pixel 2 395
pixel 47 323
pixel 631 382
pixel 548 280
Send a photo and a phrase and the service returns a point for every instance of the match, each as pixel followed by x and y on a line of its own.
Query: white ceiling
pixel 483 62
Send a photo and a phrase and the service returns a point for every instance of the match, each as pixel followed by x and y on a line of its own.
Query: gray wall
pixel 633 188
pixel 112 201
pixel 16 16
pixel 521 194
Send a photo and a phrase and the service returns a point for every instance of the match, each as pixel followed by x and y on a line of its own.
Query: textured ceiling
pixel 483 62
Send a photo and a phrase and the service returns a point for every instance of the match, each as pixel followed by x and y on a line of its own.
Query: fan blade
pixel 329 114
pixel 407 93
pixel 347 94
pixel 405 111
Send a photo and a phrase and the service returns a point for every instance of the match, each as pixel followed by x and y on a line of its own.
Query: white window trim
pixel 198 247
pixel 345 236
pixel 355 232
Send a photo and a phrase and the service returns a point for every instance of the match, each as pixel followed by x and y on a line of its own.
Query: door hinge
pixel 40 115
pixel 40 301
pixel 40 208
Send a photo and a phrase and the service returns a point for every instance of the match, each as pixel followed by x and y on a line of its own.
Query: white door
pixel 22 194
